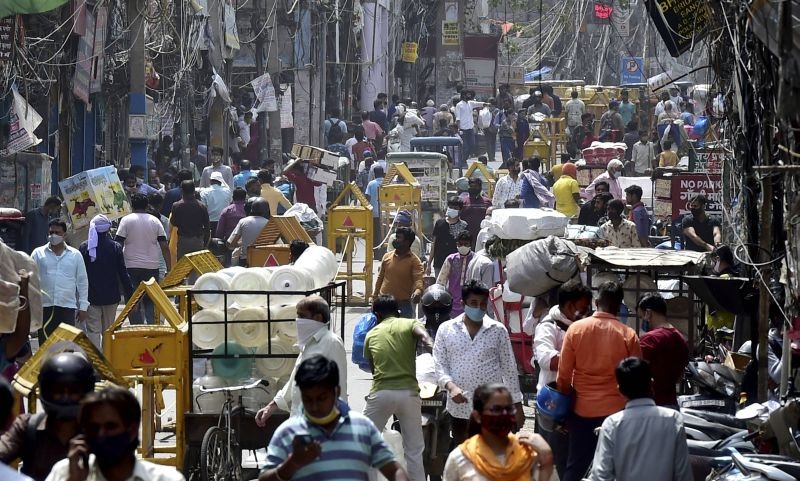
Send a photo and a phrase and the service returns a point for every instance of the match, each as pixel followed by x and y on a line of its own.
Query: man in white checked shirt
pixel 508 186
pixel 471 350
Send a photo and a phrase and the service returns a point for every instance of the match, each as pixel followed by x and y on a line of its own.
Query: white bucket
pixel 212 281
pixel 250 334
pixel 253 279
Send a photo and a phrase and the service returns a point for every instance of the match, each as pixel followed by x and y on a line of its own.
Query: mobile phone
pixel 304 439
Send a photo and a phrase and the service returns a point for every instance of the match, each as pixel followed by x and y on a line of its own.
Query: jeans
pixel 406 309
pixel 582 444
pixel 460 429
pixel 491 144
pixel 407 407
pixel 468 139
pixel 559 443
pixel 506 148
pixel 99 319
pixel 138 276
pixel 52 316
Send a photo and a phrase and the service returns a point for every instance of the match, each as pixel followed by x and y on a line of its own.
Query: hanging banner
pixel 620 18
pixel 100 27
pixel 22 121
pixel 95 191
pixel 508 74
pixel 83 65
pixel 287 120
pixel 265 93
pixel 681 23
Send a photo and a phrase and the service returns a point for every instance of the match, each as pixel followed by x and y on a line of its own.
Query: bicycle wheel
pixel 214 455
pixel 217 461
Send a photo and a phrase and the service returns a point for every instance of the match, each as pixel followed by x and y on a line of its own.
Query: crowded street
pixel 480 240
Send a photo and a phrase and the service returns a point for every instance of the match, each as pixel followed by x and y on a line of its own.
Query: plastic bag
pixel 541 265
pixel 364 325
pixel 700 126
pixel 307 217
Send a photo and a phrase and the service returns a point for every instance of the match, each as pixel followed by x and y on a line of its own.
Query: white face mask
pixel 615 175
pixel 464 250
pixel 306 328
pixel 55 239
pixel 452 213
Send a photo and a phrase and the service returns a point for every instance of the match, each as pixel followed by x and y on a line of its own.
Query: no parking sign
pixel 631 70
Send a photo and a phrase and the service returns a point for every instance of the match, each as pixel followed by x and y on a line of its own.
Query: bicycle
pixel 220 454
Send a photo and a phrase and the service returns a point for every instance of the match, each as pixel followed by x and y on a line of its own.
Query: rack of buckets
pixel 245 328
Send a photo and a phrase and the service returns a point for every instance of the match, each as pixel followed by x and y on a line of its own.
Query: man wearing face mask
pixel 574 303
pixel 327 441
pixel 390 348
pixel 41 440
pixel 701 232
pixel 401 273
pixel 63 279
pixel 314 339
pixel 106 448
pixel 453 274
pixel 445 232
pixel 610 176
pixel 471 350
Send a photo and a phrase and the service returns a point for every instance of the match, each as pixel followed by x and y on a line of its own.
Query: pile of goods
pixel 252 313
pixel 601 152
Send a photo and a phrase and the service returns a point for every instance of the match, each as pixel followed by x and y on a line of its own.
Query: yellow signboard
pixel 409 52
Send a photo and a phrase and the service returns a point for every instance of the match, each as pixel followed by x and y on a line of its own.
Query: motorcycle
pixel 715 387
pixel 436 422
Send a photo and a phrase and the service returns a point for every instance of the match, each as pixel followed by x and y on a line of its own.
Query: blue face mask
pixel 475 314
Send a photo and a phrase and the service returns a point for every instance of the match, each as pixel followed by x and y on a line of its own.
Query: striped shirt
pixel 354 446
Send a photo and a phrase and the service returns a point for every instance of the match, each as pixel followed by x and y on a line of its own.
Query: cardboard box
pixel 321 174
pixel 297 149
pixel 330 159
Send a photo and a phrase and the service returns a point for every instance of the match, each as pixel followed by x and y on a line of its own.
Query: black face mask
pixel 60 411
pixel 397 245
pixel 110 450
pixel 696 212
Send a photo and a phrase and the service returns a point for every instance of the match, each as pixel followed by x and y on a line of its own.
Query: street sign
pixel 686 186
pixel 631 70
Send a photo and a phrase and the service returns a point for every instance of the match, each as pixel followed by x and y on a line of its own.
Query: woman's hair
pixel 480 397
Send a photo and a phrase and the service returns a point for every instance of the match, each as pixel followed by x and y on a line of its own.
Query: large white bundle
pixel 541 265
pixel 250 334
pixel 320 263
pixel 208 328
pixel 212 281
pixel 253 279
pixel 528 224
pixel 276 367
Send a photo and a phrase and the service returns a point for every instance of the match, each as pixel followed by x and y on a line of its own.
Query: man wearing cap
pixel 106 270
pixel 610 176
pixel 216 166
pixel 215 198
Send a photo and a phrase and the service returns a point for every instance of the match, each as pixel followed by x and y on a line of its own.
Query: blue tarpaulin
pixel 531 76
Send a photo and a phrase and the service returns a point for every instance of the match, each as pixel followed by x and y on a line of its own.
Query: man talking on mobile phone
pixel 328 441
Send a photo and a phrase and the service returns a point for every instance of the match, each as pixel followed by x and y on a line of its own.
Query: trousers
pixel 137 276
pixel 52 316
pixel 99 319
pixel 468 139
pixel 582 444
pixel 406 405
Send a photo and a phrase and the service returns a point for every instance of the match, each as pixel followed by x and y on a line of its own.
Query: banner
pixel 450 33
pixel 265 93
pixel 479 76
pixel 22 121
pixel 508 74
pixel 95 191
pixel 686 186
pixel 681 23
pixel 83 66
pixel 6 39
pixel 11 7
pixel 287 121
pixel 409 52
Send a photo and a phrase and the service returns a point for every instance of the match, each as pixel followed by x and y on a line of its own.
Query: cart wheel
pixel 217 463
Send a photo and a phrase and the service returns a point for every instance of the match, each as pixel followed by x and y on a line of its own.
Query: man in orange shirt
pixel 592 349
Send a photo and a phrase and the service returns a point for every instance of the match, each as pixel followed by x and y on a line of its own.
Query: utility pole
pixel 274 66
pixel 304 96
pixel 136 97
pixel 263 120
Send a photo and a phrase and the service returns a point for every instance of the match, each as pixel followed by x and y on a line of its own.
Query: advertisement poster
pixel 479 76
pixel 631 70
pixel 22 121
pixel 6 39
pixel 686 186
pixel 450 33
pixel 265 93
pixel 96 191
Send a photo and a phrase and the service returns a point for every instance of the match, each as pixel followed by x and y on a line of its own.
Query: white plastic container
pixel 286 330
pixel 320 263
pixel 208 402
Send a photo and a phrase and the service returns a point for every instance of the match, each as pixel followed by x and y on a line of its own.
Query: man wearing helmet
pixel 436 306
pixel 40 440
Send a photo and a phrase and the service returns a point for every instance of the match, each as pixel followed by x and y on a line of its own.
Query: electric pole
pixel 274 66
pixel 137 111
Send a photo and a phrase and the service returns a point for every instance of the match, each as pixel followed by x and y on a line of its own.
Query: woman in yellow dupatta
pixel 493 453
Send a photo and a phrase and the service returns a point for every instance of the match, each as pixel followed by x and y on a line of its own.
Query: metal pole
pixel 136 96
pixel 274 67
pixel 765 242
pixel 262 123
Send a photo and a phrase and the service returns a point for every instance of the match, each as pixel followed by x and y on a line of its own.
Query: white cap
pixel 218 177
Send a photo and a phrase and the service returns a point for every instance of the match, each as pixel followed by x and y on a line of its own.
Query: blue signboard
pixel 631 70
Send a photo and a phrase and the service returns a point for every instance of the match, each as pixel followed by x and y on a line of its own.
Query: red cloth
pixel 305 188
pixel 668 353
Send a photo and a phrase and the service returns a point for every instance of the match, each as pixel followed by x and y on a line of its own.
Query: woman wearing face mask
pixel 453 273
pixel 610 176
pixel 493 453
pixel 445 233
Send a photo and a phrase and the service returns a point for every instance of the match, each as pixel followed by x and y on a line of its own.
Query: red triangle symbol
pixel 397 197
pixel 147 357
pixel 271 261
pixel 348 222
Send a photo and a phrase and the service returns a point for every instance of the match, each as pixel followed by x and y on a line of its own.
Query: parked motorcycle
pixel 715 387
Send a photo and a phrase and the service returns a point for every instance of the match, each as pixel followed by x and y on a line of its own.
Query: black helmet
pixel 66 368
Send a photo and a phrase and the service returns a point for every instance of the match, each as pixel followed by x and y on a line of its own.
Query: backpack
pixel 364 325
